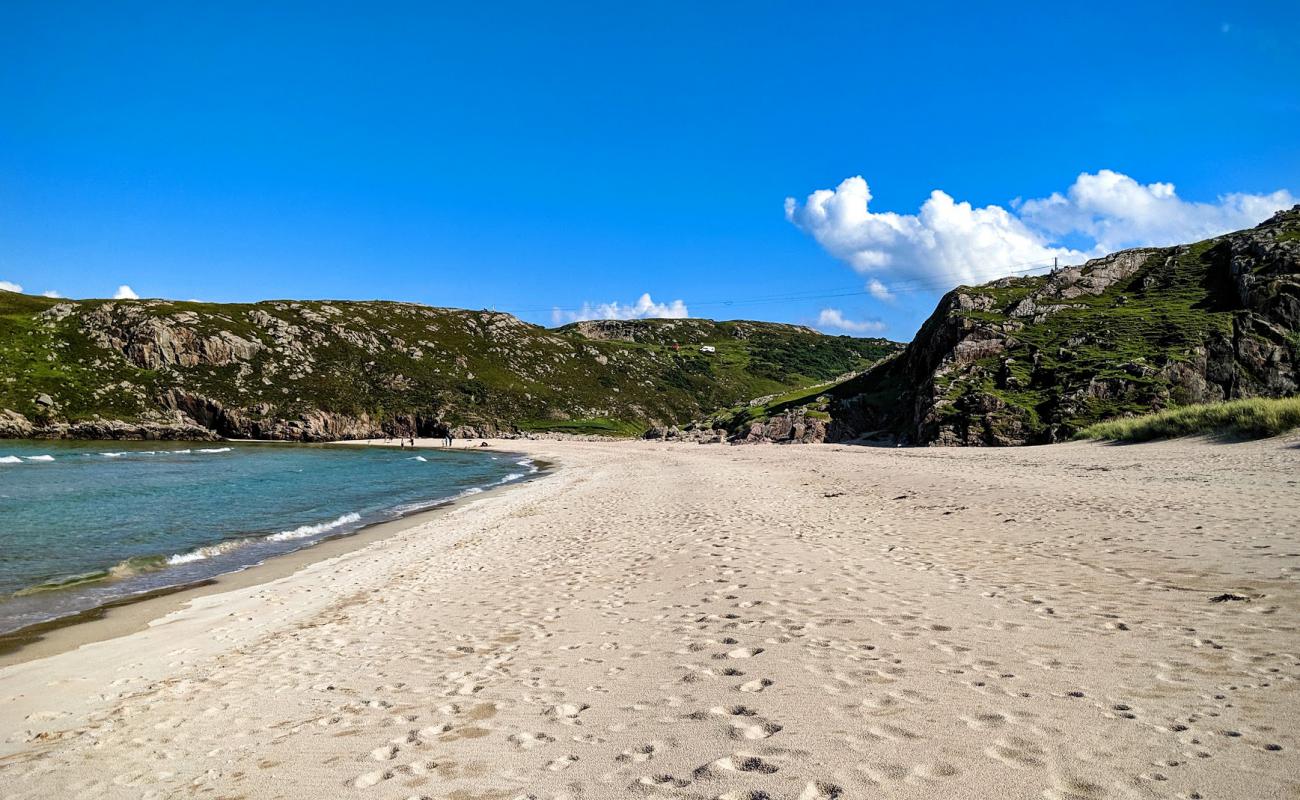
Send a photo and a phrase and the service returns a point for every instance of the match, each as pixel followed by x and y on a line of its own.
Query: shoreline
pixel 1079 620
pixel 125 615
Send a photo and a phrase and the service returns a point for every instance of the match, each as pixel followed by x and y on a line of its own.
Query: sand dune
pixel 714 622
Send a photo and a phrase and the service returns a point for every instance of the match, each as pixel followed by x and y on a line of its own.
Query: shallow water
pixel 86 523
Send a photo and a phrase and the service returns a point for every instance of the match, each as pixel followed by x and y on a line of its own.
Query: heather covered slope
pixel 1034 360
pixel 326 369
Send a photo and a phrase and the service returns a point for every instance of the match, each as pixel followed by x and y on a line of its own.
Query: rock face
pixel 14 425
pixel 697 435
pixel 323 370
pixel 791 427
pixel 795 426
pixel 1033 360
pixel 152 342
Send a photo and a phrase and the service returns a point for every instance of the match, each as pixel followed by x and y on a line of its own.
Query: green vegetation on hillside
pixel 385 361
pixel 1131 333
pixel 585 427
pixel 812 399
pixel 1036 359
pixel 1253 418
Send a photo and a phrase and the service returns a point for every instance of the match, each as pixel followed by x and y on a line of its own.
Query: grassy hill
pixel 1031 360
pixel 323 369
pixel 1254 418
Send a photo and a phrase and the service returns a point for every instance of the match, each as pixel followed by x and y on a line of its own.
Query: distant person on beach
pixel 448 438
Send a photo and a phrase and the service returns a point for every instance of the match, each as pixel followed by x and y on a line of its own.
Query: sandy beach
pixel 656 620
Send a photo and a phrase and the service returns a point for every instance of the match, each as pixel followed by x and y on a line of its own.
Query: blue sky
pixel 532 157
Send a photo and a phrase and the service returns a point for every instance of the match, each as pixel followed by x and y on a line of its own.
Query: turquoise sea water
pixel 85 523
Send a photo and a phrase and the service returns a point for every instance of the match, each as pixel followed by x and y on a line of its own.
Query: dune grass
pixel 1254 418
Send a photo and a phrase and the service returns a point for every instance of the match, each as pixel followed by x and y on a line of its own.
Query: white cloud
pixel 643 308
pixel 947 242
pixel 834 318
pixel 1116 211
pixel 8 286
pixel 51 293
pixel 125 292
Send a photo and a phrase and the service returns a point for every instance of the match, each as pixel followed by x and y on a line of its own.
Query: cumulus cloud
pixel 835 319
pixel 1115 212
pixel 51 293
pixel 949 242
pixel 125 292
pixel 9 286
pixel 643 308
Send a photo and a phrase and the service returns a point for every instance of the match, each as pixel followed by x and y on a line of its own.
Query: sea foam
pixel 303 531
pixel 39 458
pixel 206 552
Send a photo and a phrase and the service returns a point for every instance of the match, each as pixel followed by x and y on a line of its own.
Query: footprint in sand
pixel 1016 752
pixel 984 721
pixel 528 740
pixel 754 730
pixel 661 781
pixel 567 712
pixel 638 754
pixel 371 778
pixel 817 790
pixel 562 763
pixel 745 723
pixel 738 762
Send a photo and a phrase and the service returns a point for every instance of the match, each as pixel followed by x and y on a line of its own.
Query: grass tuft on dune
pixel 1253 418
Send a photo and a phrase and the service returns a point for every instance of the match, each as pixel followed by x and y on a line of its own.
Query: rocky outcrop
pixel 672 433
pixel 795 426
pixel 163 430
pixel 314 370
pixel 790 427
pixel 152 340
pixel 14 425
pixel 1032 360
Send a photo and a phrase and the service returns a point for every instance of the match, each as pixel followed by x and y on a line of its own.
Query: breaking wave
pixel 187 451
pixel 123 569
pixel 303 531
pixel 300 532
pixel 210 551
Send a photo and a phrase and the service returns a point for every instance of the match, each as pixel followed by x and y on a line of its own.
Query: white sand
pixel 702 621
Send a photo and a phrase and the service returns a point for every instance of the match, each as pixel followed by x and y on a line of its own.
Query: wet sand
pixel 718 622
